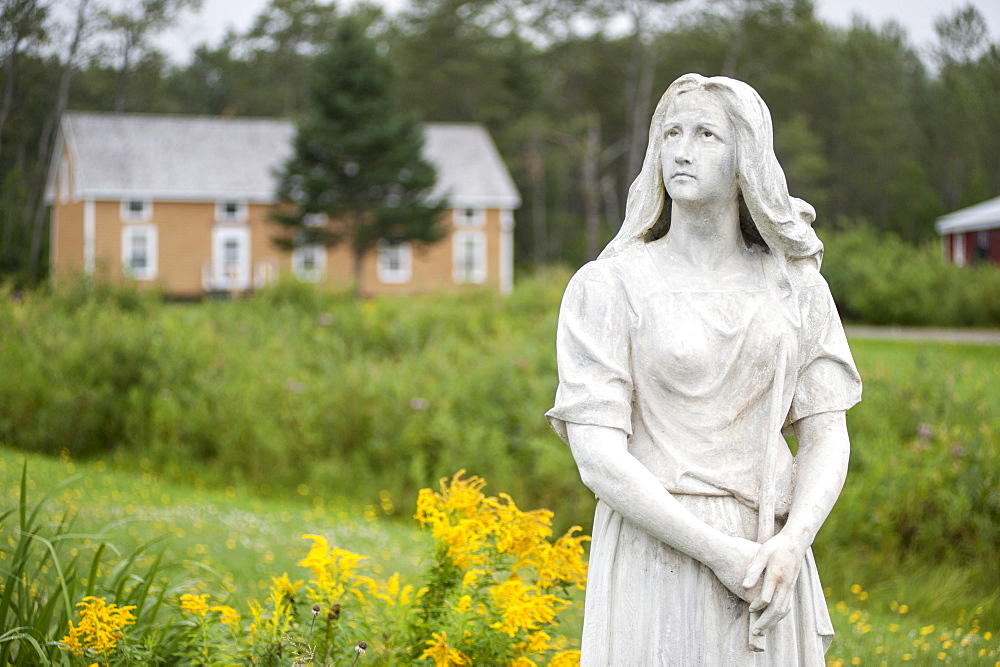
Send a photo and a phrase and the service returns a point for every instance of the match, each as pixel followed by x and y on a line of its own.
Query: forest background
pixel 870 130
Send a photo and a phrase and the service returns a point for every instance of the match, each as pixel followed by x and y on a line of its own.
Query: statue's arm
pixel 821 468
pixel 629 488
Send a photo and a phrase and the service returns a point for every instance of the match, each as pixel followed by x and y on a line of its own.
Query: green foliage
pixel 45 567
pixel 298 391
pixel 357 156
pixel 878 279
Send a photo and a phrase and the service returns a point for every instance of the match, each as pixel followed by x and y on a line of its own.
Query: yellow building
pixel 183 202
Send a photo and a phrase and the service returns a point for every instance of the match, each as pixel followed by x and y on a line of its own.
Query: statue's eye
pixel 673 132
pixel 707 134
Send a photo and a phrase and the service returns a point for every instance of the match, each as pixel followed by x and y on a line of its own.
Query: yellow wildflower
pixel 565 659
pixel 564 561
pixel 469 578
pixel 285 586
pixel 523 608
pixel 331 567
pixel 442 654
pixel 100 627
pixel 195 604
pixel 538 642
pixel 926 630
pixel 227 615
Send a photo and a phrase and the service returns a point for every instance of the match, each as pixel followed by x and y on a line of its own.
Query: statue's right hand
pixel 731 565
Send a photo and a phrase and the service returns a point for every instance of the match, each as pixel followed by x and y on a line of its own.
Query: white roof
pixel 207 158
pixel 985 215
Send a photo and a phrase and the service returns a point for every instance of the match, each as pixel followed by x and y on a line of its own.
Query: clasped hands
pixel 763 575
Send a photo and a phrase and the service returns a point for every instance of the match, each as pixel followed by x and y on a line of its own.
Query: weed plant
pixel 494 580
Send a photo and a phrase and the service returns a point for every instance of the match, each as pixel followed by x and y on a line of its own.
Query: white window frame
pixel 128 215
pixel 470 216
pixel 461 272
pixel 223 216
pixel 221 279
pixel 129 234
pixel 958 249
pixel 402 253
pixel 318 271
pixel 63 180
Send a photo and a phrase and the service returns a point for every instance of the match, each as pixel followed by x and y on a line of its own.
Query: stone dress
pixel 690 377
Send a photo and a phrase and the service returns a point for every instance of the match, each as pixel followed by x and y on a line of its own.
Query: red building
pixel 972 234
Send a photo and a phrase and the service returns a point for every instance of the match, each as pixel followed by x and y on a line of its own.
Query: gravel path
pixel 978 336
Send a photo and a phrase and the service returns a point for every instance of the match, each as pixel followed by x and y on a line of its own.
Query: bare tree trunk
pixel 539 223
pixel 638 87
pixel 8 89
pixel 591 185
pixel 47 141
pixel 731 61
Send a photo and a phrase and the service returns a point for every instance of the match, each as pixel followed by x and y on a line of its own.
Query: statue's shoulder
pixel 617 272
pixel 805 274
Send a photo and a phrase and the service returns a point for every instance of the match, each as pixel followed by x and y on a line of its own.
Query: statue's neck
pixel 706 236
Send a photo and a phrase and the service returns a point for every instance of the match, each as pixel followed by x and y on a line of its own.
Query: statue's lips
pixel 680 174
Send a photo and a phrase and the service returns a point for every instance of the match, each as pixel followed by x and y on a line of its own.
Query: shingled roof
pixel 206 158
pixel 982 216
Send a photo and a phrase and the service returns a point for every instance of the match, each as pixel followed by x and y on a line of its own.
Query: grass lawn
pixel 234 542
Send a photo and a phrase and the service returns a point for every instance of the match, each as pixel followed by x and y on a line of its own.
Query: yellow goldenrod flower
pixel 227 615
pixel 195 604
pixel 442 654
pixel 331 567
pixel 523 608
pixel 285 586
pixel 565 659
pixel 100 627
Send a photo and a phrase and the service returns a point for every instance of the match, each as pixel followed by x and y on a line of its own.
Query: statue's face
pixel 699 150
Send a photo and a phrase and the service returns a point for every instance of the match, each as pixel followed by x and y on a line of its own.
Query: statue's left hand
pixel 779 561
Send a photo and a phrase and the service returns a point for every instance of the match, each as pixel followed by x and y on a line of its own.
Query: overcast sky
pixel 917 16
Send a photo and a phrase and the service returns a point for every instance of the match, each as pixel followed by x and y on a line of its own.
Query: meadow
pixel 232 429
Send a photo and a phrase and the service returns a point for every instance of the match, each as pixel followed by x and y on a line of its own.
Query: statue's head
pixel 768 215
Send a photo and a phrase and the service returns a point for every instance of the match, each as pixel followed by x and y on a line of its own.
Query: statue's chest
pixel 695 341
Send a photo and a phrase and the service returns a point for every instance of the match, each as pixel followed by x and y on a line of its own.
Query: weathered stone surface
pixel 701 332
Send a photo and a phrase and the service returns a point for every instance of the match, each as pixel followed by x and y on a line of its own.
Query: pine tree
pixel 357 157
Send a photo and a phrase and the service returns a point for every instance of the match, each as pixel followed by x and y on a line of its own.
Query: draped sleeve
pixel 593 352
pixel 828 380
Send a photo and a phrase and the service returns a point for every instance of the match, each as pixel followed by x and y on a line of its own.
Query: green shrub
pixel 881 280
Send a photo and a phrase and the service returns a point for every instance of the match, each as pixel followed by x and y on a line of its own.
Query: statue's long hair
pixel 769 216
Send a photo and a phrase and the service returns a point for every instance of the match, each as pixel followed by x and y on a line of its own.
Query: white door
pixel 231 258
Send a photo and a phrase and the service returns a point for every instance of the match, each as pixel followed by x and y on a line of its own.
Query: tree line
pixel 870 129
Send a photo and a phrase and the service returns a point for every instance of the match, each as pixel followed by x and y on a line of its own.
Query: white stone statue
pixel 702 331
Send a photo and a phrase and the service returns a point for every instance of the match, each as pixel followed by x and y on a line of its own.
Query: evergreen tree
pixel 357 157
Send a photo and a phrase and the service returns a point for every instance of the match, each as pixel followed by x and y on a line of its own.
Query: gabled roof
pixel 207 158
pixel 980 217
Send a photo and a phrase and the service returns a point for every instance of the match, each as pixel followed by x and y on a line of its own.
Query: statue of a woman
pixel 701 332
